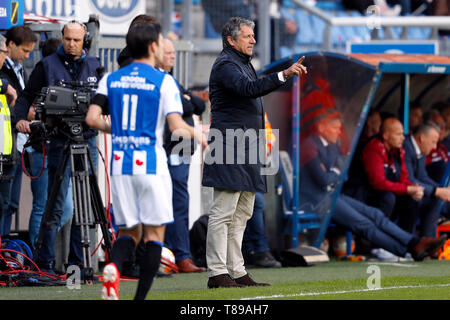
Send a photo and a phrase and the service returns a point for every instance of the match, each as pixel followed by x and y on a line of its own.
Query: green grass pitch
pixel 428 280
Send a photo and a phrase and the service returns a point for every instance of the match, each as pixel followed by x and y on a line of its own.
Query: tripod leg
pixel 88 206
pixel 98 208
pixel 48 213
pixel 82 203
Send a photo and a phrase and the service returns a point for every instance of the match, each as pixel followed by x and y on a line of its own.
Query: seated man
pixel 356 185
pixel 436 161
pixel 320 174
pixel 417 146
pixel 415 116
pixel 383 159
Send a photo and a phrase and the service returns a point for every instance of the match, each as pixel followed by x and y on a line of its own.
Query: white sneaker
pixel 407 257
pixel 384 255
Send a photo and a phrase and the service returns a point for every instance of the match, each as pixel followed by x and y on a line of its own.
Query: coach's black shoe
pixel 223 281
pixel 249 282
pixel 427 247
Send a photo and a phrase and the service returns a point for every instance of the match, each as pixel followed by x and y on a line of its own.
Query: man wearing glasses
pixel 20 42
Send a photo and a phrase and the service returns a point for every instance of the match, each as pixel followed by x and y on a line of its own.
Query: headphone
pixel 86 38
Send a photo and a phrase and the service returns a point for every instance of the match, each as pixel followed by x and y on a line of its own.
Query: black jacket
pixel 192 105
pixel 7 73
pixel 235 93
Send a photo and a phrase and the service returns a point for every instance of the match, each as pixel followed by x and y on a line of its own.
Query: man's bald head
pixel 392 133
pixel 169 55
pixel 390 124
pixel 73 38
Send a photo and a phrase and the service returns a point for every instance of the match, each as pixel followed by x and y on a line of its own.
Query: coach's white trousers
pixel 228 218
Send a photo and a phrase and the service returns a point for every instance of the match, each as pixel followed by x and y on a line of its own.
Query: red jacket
pixel 377 161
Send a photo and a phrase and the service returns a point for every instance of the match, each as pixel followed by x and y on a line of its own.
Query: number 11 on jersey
pixel 126 111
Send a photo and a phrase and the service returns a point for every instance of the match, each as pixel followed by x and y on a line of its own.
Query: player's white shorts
pixel 141 199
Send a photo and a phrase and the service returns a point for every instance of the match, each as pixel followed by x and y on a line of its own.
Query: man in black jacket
pixel 237 110
pixel 179 155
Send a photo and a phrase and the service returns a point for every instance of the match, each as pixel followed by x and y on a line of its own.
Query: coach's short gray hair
pixel 2 40
pixel 426 127
pixel 232 28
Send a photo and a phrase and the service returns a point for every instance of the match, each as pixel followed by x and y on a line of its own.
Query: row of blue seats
pixel 311 28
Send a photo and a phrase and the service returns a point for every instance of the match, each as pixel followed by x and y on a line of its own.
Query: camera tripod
pixel 88 206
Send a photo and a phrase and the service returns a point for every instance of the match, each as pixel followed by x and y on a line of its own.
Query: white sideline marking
pixel 343 291
pixel 395 264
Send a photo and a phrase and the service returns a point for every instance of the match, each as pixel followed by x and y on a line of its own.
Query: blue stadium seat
pixel 329 5
pixel 318 27
pixel 361 32
pixel 306 34
pixel 417 33
pixel 209 30
pixel 343 34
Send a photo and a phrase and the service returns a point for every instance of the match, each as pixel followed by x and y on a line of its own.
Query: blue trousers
pixel 385 201
pixel 425 212
pixel 46 252
pixel 39 187
pixel 176 237
pixel 372 224
pixel 255 239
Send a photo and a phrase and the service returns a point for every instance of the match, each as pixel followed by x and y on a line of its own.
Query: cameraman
pixel 69 63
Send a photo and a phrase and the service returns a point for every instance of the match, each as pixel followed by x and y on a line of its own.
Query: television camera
pixel 61 111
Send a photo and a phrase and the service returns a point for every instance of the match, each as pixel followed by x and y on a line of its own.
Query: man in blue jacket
pixel 237 114
pixel 417 146
pixel 179 152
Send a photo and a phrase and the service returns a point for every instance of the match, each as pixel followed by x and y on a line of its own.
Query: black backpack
pixel 197 238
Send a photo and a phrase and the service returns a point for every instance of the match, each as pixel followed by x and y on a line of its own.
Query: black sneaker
pixel 265 260
pixel 46 268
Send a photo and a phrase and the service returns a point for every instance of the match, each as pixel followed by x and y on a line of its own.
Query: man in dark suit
pixel 237 110
pixel 417 146
pixel 321 166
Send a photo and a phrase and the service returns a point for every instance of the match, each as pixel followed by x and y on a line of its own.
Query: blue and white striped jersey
pixel 139 98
